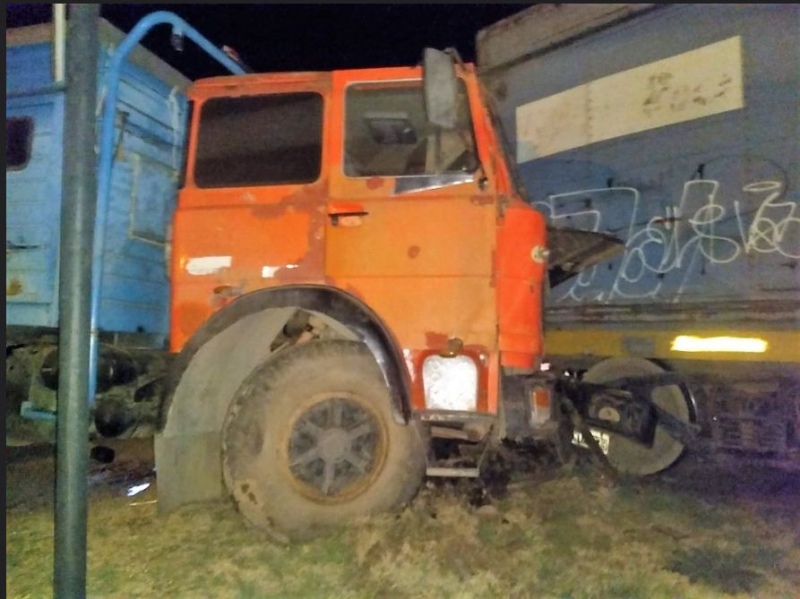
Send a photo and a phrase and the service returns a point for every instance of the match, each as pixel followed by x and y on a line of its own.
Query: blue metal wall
pixel 150 129
pixel 33 214
pixel 708 207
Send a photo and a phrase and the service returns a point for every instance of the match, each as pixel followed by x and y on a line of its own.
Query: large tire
pixel 625 455
pixel 310 441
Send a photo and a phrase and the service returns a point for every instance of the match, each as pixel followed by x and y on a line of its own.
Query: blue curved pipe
pixel 111 80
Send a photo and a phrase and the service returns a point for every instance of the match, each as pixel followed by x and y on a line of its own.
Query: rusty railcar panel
pixel 544 26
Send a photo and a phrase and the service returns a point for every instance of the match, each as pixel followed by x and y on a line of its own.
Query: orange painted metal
pixel 521 270
pixel 434 264
pixel 271 234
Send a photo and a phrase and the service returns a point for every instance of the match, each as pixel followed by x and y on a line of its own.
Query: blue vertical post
pixel 77 222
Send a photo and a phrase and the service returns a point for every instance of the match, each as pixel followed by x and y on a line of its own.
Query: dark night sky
pixel 303 37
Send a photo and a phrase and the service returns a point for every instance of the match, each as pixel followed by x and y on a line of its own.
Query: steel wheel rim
pixel 335 448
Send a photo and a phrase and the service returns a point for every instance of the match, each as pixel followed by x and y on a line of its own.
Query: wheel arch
pixel 215 361
pixel 338 305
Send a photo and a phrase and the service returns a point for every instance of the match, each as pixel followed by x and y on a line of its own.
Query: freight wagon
pixel 676 128
pixel 133 315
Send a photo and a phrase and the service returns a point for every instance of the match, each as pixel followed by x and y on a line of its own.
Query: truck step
pixel 453 472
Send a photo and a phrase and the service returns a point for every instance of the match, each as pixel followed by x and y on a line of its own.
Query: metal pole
pixel 77 220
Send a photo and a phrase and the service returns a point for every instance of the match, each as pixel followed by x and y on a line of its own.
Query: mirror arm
pixel 455 56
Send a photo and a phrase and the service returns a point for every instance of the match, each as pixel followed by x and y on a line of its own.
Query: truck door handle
pixel 346 214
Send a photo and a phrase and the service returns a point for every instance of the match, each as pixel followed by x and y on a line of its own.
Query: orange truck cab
pixel 354 272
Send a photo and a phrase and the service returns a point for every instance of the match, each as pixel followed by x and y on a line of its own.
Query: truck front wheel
pixel 309 441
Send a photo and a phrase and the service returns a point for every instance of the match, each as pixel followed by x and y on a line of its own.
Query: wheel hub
pixel 333 445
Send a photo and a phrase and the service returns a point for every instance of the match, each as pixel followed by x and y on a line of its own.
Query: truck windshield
pixel 387 133
pixel 272 139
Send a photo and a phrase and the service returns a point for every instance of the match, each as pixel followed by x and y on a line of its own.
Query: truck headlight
pixel 450 383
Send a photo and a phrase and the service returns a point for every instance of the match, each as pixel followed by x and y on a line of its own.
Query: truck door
pixel 33 209
pixel 250 214
pixel 409 228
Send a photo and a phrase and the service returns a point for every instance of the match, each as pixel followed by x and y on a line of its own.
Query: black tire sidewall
pixel 258 428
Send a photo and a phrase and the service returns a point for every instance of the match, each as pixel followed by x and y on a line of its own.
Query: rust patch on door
pixel 374 182
pixel 436 340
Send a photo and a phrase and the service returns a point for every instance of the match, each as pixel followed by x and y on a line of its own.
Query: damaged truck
pixel 356 274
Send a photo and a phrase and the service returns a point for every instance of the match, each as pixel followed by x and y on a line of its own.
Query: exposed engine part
pixel 102 454
pixel 17 377
pixel 128 386
pixel 114 367
pixel 292 330
pixel 113 417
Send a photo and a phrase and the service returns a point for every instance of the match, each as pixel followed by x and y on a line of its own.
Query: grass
pixel 572 536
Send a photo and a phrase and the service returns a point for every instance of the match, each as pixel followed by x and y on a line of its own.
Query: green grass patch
pixel 572 536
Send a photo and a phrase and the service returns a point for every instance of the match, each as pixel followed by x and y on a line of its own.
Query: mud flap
pixel 189 469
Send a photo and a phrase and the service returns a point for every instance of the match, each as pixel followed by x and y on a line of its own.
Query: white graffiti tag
pixel 701 230
pixel 776 225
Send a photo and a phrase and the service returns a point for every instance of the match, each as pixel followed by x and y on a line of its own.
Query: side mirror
pixel 440 88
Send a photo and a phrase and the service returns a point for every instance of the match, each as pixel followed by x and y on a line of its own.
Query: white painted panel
pixel 685 87
pixel 207 265
pixel 553 124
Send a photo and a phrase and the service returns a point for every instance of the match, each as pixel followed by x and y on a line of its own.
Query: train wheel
pixel 625 455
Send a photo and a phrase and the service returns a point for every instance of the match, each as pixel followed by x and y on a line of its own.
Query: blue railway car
pixel 676 128
pixel 133 316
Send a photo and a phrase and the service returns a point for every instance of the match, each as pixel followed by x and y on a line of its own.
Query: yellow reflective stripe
pixel 782 346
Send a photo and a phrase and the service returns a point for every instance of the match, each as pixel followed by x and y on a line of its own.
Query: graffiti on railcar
pixel 706 227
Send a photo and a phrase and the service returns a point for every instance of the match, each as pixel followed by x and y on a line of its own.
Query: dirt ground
pixel 30 477
pixel 31 471
pixel 702 530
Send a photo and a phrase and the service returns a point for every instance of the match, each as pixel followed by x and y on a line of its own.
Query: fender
pixel 338 304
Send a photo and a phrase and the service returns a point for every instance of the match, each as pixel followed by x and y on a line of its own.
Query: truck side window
pixel 387 133
pixel 19 139
pixel 271 139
